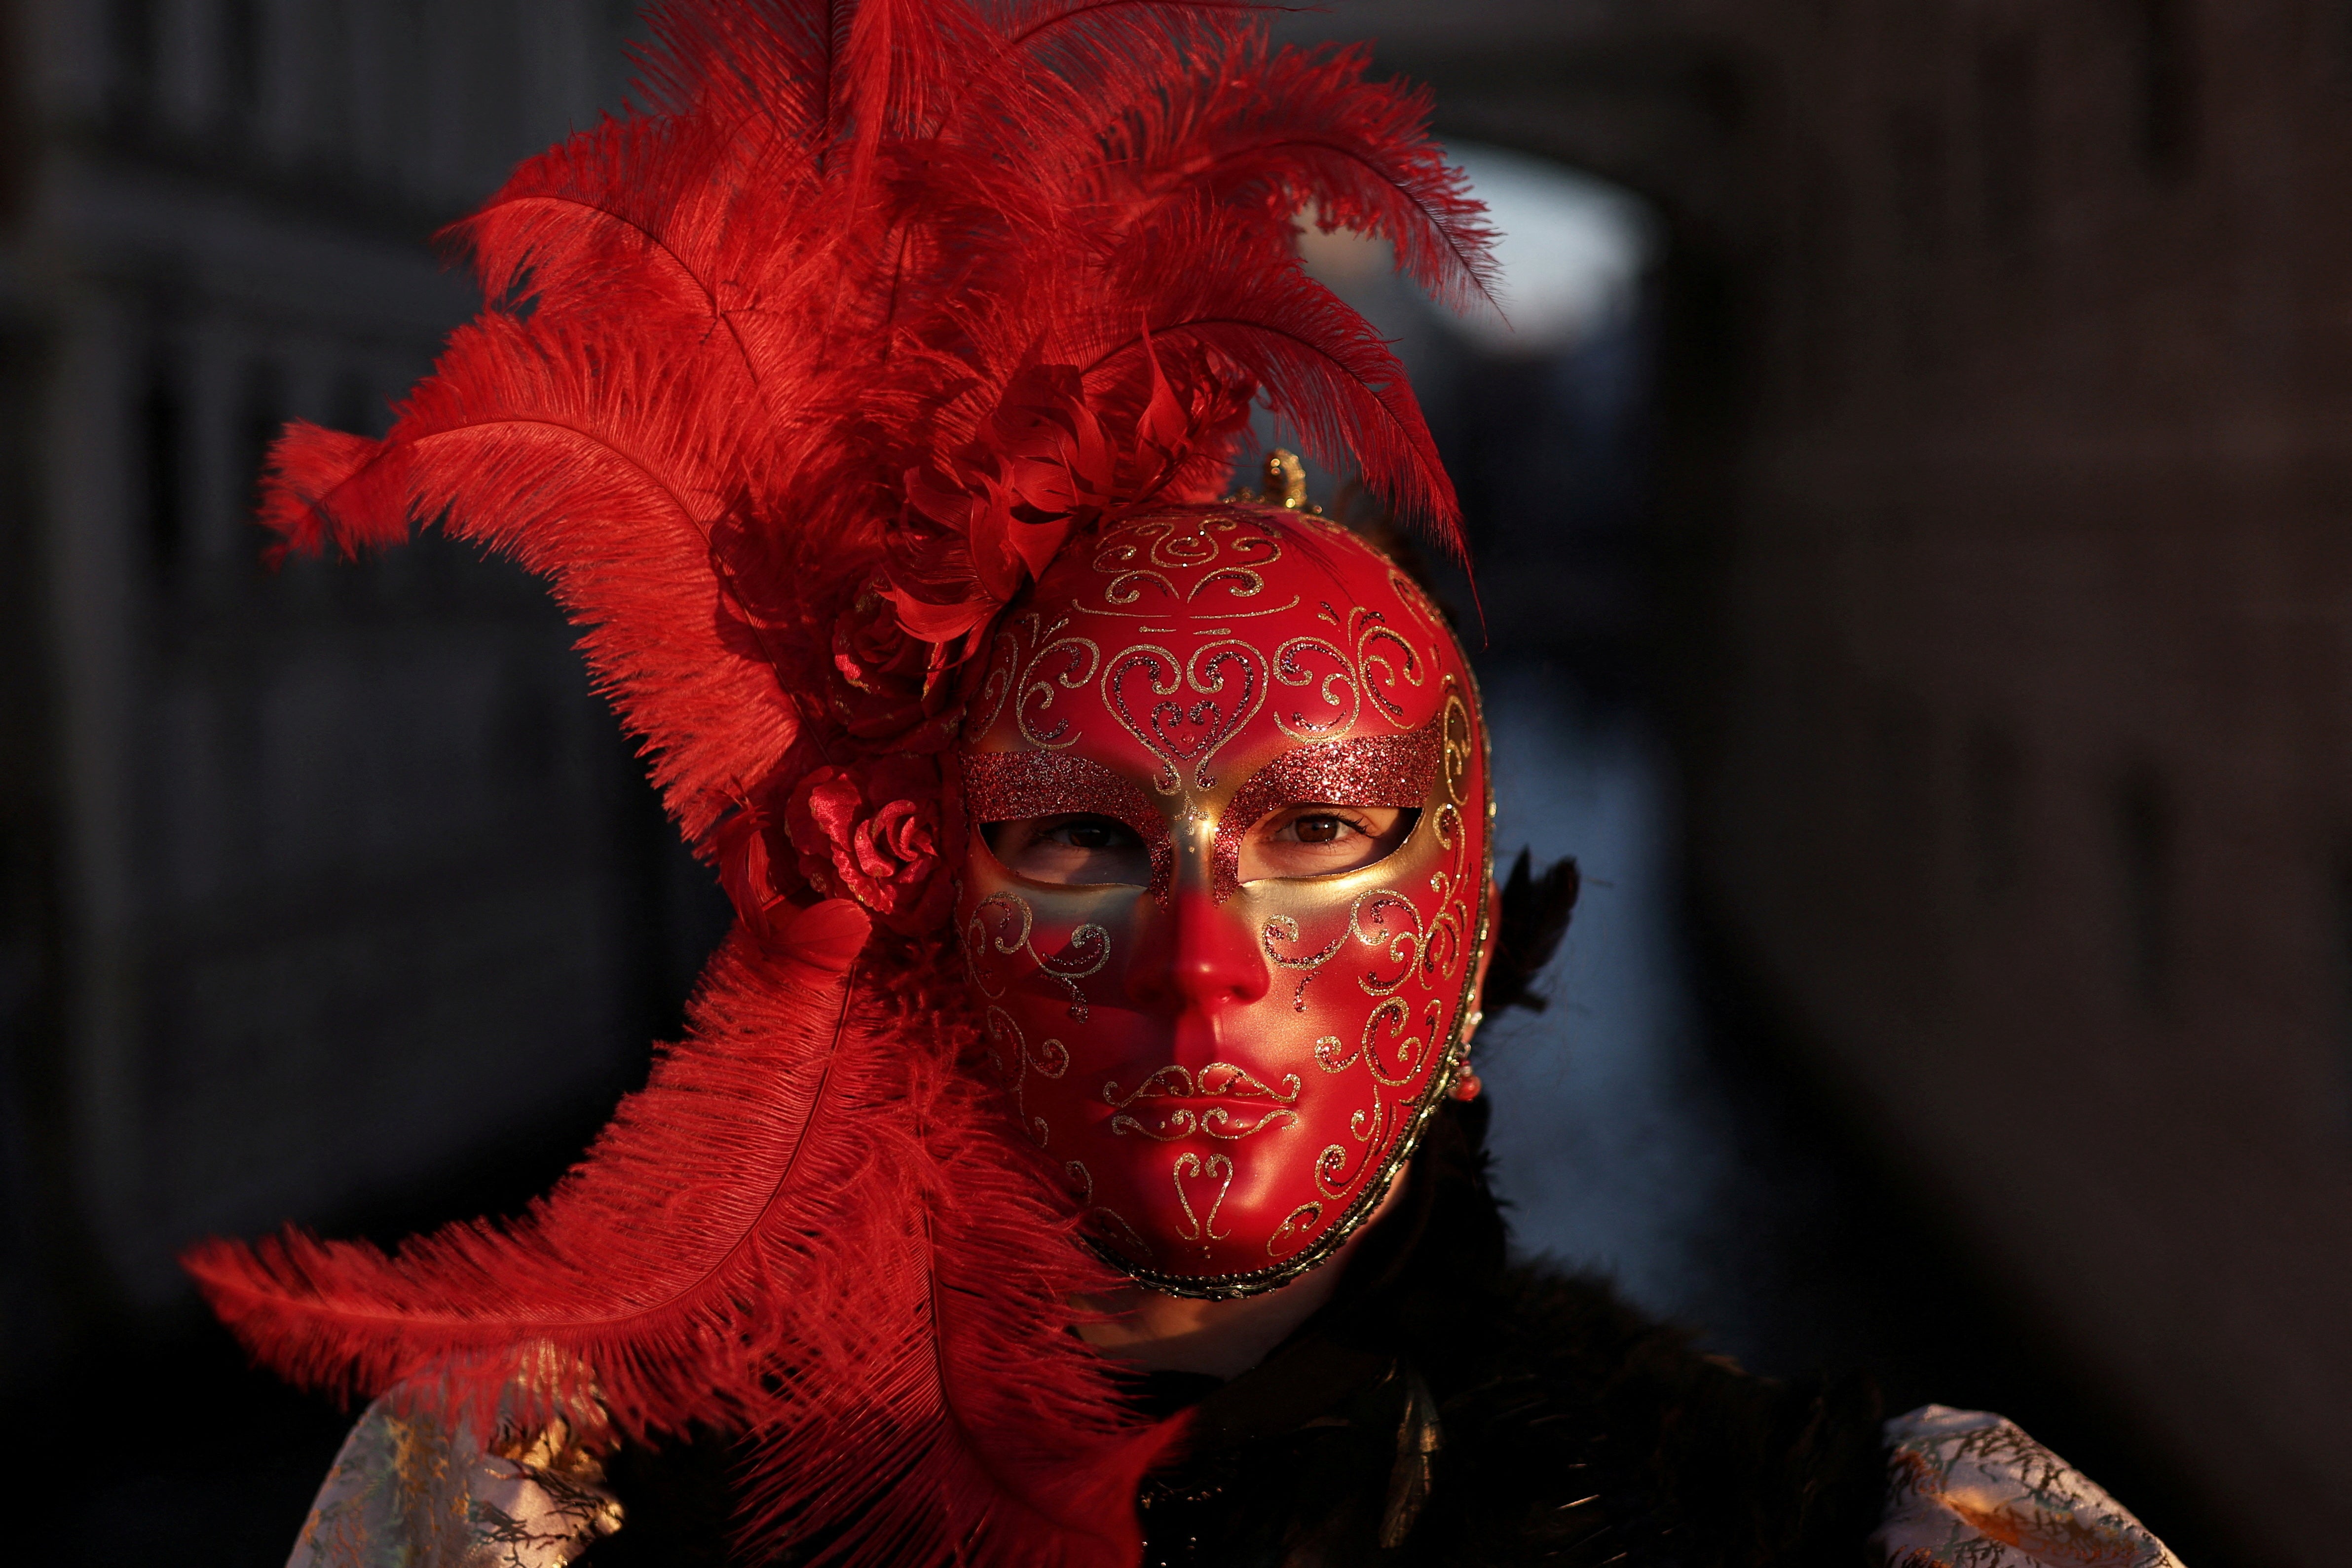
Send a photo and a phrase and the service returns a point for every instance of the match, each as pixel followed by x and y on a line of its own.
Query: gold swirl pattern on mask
pixel 1003 669
pixel 1214 1168
pixel 1338 689
pixel 1053 661
pixel 1188 540
pixel 1406 946
pixel 1332 1177
pixel 1460 745
pixel 1088 952
pixel 1376 666
pixel 1218 1079
pixel 1285 929
pixel 1216 550
pixel 1050 1059
pixel 1292 1233
pixel 1385 661
pixel 1396 1013
pixel 1182 735
pixel 1214 1122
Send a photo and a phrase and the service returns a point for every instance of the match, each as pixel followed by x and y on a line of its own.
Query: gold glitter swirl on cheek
pixel 981 947
pixel 1049 1059
pixel 1291 1233
pixel 1370 923
pixel 1332 1174
pixel 1392 1011
pixel 1088 939
pixel 1086 953
pixel 1284 929
pixel 1138 1250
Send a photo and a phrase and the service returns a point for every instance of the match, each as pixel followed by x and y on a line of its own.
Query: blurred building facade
pixel 315 882
pixel 2009 383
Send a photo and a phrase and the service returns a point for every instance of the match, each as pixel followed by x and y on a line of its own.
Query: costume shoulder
pixel 1966 1487
pixel 411 1491
pixel 1579 1430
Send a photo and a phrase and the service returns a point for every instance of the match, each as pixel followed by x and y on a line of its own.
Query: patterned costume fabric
pixel 1971 1490
pixel 1230 1072
pixel 408 1492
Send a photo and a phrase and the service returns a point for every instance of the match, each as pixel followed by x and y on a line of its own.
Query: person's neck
pixel 1218 1339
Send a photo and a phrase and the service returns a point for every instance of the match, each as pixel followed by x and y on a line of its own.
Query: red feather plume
pixel 788 381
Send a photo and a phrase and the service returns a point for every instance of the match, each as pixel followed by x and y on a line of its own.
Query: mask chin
pixel 1229 1072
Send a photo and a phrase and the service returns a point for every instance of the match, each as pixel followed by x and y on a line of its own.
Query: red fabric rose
pixel 882 832
pixel 887 688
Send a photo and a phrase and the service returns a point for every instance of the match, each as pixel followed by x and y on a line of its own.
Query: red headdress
pixel 788 382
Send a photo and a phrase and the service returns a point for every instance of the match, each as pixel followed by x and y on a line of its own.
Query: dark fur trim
pixel 1573 1429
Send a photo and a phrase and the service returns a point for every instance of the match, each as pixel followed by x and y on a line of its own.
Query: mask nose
pixel 1195 954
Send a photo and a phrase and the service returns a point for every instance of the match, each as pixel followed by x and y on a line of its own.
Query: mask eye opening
pixel 1069 850
pixel 1398 835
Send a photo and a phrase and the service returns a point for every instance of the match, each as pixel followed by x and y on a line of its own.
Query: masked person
pixel 1073 1158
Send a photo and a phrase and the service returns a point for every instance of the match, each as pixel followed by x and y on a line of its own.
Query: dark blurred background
pixel 1911 492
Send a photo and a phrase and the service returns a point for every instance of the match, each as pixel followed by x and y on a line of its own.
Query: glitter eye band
pixel 1006 786
pixel 1373 770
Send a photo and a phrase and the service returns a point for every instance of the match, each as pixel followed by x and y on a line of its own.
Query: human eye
pixel 1317 839
pixel 1322 827
pixel 1071 850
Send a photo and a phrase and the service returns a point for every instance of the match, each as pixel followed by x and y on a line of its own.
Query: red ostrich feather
pixel 824 348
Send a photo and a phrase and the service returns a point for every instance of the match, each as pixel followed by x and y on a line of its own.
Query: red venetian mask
pixel 1228 883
